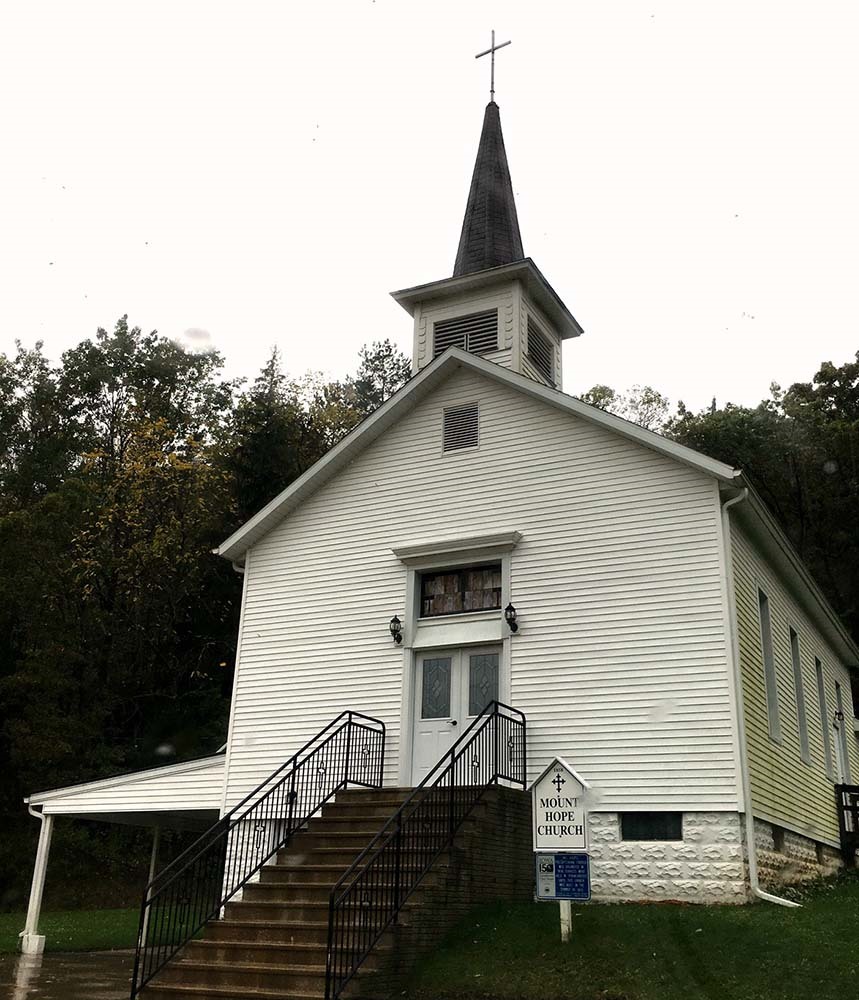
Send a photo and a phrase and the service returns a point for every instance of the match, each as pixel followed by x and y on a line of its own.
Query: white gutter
pixel 741 725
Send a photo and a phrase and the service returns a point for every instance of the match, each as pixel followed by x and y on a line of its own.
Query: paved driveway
pixel 98 975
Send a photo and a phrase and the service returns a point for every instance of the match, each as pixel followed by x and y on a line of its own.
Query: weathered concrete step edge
pixel 275 947
pixel 152 992
pixel 296 968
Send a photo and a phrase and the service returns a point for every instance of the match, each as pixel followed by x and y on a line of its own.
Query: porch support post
pixel 153 862
pixel 32 942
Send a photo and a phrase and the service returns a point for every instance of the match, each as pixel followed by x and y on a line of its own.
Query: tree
pixel 337 407
pixel 381 372
pixel 36 446
pixel 109 383
pixel 641 405
pixel 800 448
pixel 271 439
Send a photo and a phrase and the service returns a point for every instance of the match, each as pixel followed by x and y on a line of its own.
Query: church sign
pixel 557 802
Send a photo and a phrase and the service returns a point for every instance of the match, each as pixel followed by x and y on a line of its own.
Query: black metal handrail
pixel 847 803
pixel 192 889
pixel 368 896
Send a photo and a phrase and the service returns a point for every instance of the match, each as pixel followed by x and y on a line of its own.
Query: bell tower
pixel 497 304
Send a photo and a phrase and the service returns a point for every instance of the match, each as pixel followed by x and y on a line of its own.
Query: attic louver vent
pixel 461 427
pixel 540 351
pixel 477 332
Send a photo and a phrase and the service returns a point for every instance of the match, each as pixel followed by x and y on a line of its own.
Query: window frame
pixel 825 727
pixel 799 691
pixel 631 818
pixel 460 570
pixel 770 673
pixel 842 734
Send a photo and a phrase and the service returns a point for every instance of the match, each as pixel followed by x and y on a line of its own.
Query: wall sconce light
pixel 396 628
pixel 510 618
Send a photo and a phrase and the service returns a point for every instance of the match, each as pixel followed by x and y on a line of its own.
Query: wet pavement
pixel 94 975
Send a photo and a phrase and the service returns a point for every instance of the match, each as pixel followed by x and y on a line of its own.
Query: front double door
pixel 452 686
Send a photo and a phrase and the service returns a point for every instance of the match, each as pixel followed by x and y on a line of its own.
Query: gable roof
pixel 490 230
pixel 412 393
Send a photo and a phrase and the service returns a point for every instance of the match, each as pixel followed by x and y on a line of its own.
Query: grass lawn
pixel 75 930
pixel 653 952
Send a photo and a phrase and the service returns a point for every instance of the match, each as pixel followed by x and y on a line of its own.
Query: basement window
pixel 460 591
pixel 651 826
pixel 476 332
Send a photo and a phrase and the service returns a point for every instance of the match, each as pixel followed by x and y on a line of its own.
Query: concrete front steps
pixel 272 943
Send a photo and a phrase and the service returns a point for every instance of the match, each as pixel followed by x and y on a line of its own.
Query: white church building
pixel 484 537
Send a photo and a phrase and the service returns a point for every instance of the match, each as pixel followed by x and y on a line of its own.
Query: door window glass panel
pixel 482 681
pixel 435 694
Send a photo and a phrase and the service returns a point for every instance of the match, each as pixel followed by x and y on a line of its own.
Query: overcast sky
pixel 256 173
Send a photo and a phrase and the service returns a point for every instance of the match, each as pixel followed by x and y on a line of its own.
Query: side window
pixel 825 727
pixel 801 719
pixel 769 667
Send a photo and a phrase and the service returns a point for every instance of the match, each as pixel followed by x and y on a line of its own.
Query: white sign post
pixel 560 826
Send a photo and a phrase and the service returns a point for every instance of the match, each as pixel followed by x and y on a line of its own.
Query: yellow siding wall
pixel 785 790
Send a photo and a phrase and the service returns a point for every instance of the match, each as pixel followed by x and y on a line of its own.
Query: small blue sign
pixel 563 876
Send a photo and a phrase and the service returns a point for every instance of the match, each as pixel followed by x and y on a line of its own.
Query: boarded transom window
pixel 540 351
pixel 477 332
pixel 461 427
pixel 458 591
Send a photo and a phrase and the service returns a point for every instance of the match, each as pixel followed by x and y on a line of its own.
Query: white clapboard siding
pixel 193 785
pixel 620 664
pixel 785 789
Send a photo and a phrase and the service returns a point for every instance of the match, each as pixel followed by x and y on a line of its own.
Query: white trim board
pixel 133 778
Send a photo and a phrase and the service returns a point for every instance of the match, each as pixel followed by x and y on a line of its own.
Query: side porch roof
pixel 184 796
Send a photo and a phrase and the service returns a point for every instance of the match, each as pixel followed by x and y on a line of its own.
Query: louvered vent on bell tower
pixel 477 332
pixel 540 351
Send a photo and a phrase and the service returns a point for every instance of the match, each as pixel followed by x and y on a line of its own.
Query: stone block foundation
pixel 707 866
pixel 788 858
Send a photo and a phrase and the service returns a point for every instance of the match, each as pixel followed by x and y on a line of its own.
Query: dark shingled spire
pixel 490 231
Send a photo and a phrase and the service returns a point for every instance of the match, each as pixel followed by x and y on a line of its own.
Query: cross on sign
pixel 559 783
pixel 493 48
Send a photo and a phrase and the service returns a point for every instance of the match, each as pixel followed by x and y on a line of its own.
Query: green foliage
pixel 76 930
pixel 121 469
pixel 381 372
pixel 641 405
pixel 650 952
pixel 800 448
pixel 270 439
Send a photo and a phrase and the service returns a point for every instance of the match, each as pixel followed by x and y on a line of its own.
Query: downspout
pixel 32 943
pixel 748 816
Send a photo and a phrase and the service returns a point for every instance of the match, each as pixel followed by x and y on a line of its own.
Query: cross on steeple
pixel 493 48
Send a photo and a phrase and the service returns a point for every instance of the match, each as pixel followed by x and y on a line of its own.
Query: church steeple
pixel 490 230
pixel 497 304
